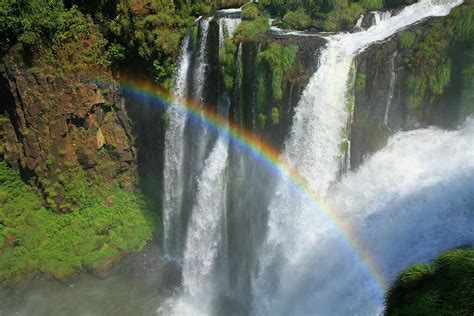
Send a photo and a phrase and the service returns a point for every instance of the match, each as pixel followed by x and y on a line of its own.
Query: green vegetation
pixel 406 39
pixel 34 239
pixel 52 37
pixel 431 68
pixel 445 287
pixel 372 5
pixel 279 60
pixel 251 11
pixel 360 82
pixel 227 63
pixel 253 22
pixel 343 16
pixel 332 15
pixel 275 116
pixel 79 35
pixel 262 120
pixel 297 20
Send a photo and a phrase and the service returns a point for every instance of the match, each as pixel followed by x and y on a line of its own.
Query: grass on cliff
pixel 34 239
pixel 445 287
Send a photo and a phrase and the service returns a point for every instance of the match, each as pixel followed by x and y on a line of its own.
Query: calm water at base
pixel 137 287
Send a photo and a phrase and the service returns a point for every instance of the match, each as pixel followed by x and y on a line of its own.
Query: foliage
pixel 360 82
pixel 372 5
pixel 248 29
pixel 227 61
pixel 115 54
pixel 275 116
pixel 467 92
pixel 72 35
pixel 406 39
pixel 279 60
pixel 260 87
pixel 343 17
pixel 253 22
pixel 298 20
pixel 34 239
pixel 431 69
pixel 444 287
pixel 51 36
pixel 262 120
pixel 251 11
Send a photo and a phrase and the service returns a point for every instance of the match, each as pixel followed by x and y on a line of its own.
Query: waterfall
pixel 391 89
pixel 173 177
pixel 410 199
pixel 285 279
pixel 382 16
pixel 252 243
pixel 205 233
pixel 227 28
pixel 200 72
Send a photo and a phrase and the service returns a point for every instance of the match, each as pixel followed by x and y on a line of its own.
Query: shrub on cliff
pixel 279 60
pixel 343 17
pixel 445 287
pixel 297 20
pixel 432 70
pixel 227 62
pixel 34 239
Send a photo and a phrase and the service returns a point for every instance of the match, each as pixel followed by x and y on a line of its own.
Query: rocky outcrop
pixel 382 93
pixel 293 83
pixel 50 123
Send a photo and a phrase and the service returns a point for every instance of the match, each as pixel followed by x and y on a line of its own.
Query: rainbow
pixel 268 156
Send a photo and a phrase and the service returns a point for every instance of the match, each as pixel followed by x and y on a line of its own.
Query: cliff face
pixel 51 123
pixel 417 78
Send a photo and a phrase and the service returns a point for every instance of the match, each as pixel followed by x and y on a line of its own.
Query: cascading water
pixel 173 177
pixel 291 259
pixel 296 244
pixel 391 89
pixel 201 65
pixel 205 235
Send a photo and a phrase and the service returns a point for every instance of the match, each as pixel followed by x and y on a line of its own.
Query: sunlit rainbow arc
pixel 267 155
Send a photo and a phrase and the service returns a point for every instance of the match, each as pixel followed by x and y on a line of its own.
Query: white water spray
pixel 200 73
pixel 301 269
pixel 205 235
pixel 173 178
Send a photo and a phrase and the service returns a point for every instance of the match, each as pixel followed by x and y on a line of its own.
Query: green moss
pixel 275 116
pixel 262 120
pixel 227 63
pixel 260 86
pixel 279 60
pixel 467 90
pixel 360 82
pixel 431 68
pixel 445 287
pixel 248 29
pixel 105 225
pixel 406 39
pixel 298 20
pixel 253 22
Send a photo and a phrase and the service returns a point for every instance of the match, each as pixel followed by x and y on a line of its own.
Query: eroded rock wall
pixel 55 122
